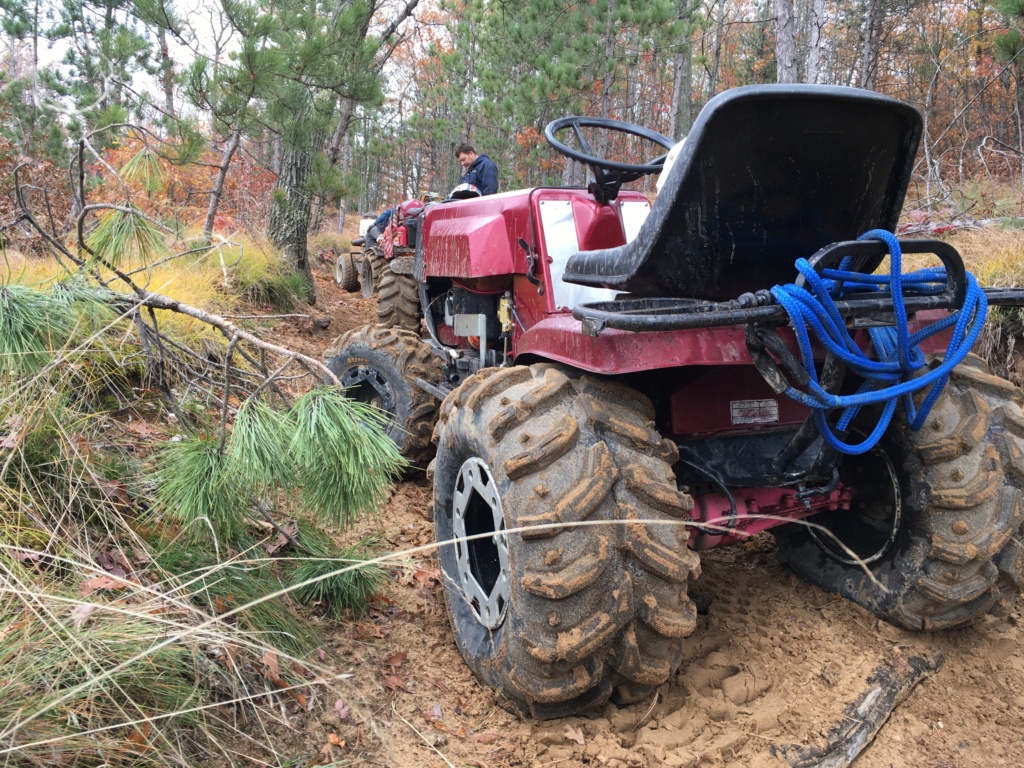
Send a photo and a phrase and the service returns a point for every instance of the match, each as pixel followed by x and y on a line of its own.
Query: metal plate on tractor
pixel 754 411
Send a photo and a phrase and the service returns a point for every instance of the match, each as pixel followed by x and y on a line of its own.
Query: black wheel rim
pixel 367 385
pixel 868 530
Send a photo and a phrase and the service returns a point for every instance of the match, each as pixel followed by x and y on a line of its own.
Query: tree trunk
pixel 1019 92
pixel 869 53
pixel 218 187
pixel 716 61
pixel 333 152
pixel 680 117
pixel 166 74
pixel 608 81
pixel 288 227
pixel 785 42
pixel 812 66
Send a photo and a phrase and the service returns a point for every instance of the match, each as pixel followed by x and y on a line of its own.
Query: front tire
pixel 937 515
pixel 379 366
pixel 561 616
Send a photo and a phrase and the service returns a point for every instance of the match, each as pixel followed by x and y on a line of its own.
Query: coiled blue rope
pixel 890 378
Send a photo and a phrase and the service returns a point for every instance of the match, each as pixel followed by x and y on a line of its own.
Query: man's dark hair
pixel 464 149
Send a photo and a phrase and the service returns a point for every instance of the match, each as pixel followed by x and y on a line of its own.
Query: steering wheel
pixel 620 173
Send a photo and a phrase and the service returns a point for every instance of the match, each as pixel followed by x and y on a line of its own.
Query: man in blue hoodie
pixel 480 170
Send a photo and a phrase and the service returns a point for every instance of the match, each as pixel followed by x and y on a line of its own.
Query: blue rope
pixel 891 378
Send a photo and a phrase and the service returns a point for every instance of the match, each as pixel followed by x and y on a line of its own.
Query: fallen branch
pixel 891 683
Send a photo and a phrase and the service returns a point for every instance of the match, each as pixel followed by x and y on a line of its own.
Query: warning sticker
pixel 754 411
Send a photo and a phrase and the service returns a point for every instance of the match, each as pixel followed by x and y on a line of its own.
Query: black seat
pixel 767 175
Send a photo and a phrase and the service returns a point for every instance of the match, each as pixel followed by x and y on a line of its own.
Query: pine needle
pixel 344 459
pixel 121 237
pixel 200 489
pixel 350 590
pixel 258 448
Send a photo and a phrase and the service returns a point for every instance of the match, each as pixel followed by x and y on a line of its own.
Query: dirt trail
pixel 773 663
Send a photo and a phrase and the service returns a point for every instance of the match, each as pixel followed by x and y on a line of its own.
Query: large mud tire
pixel 562 617
pixel 345 273
pixel 379 366
pixel 370 266
pixel 955 551
pixel 398 300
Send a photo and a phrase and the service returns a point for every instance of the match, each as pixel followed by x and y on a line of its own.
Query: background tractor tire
pixel 345 273
pixel 561 617
pixel 379 366
pixel 398 300
pixel 936 515
pixel 369 267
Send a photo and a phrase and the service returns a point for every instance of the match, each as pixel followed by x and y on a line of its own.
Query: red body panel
pixel 715 399
pixel 478 237
pixel 475 243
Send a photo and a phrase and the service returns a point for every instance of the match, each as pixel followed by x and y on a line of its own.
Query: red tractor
pixel 384 267
pixel 611 387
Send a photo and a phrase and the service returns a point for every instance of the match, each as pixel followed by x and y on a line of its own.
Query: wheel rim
pixel 481 563
pixel 367 385
pixel 870 527
pixel 339 268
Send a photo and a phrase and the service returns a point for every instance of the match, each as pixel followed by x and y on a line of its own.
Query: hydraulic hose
pixel 892 377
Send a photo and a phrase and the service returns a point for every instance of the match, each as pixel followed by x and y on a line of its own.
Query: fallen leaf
pixel 141 428
pixel 321 653
pixel 333 740
pixel 575 734
pixel 80 614
pixel 394 683
pixel 273 670
pixel 370 631
pixel 220 606
pixel 139 737
pixel 101 582
pixel 428 577
pixel 343 709
pixel 228 654
pixel 16 426
pixel 486 737
pixel 115 490
pixel 396 660
pixel 291 531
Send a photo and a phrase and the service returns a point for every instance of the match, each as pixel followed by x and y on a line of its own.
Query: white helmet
pixel 464 191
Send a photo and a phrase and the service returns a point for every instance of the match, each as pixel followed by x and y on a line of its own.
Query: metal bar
pixel 709 316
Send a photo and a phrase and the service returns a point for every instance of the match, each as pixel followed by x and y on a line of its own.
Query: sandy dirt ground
pixel 773 664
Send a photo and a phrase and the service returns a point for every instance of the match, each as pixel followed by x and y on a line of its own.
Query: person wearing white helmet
pixel 480 170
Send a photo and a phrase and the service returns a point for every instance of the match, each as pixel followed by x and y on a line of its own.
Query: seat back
pixel 768 174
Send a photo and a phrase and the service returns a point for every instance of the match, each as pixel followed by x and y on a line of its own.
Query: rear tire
pixel 398 300
pixel 947 551
pixel 561 617
pixel 369 271
pixel 379 366
pixel 345 273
